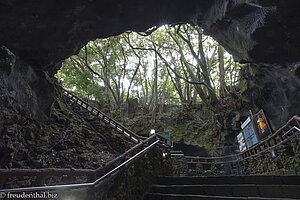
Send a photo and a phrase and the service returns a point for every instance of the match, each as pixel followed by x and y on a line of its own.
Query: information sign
pixel 261 125
pixel 241 141
pixel 249 133
pixel 166 135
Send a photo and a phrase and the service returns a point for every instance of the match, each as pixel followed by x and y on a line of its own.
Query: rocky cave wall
pixel 274 88
pixel 37 35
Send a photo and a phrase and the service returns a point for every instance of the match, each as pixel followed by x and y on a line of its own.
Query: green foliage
pixel 115 60
pixel 191 69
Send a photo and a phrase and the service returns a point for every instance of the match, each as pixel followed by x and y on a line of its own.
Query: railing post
pixel 298 122
pixel 273 142
pixel 280 137
pixel 74 99
pixel 2 181
pixel 103 117
pixel 123 131
pixel 68 178
pixel 40 180
pixel 248 154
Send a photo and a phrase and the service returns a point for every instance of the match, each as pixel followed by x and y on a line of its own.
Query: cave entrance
pixel 154 73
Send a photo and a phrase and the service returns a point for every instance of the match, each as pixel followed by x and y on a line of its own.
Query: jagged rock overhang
pixel 46 32
pixel 41 34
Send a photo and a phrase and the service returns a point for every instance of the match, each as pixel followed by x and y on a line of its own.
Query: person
pixel 239 169
pixel 227 151
pixel 230 155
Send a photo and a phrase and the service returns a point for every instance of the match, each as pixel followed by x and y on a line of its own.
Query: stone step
pixel 259 180
pixel 234 190
pixel 159 196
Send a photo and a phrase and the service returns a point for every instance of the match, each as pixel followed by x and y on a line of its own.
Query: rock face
pixel 275 89
pixel 30 89
pixel 46 32
pixel 38 35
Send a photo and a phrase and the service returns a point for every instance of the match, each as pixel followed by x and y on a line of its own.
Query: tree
pixel 187 67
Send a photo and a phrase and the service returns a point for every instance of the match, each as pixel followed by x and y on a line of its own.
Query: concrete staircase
pixel 225 187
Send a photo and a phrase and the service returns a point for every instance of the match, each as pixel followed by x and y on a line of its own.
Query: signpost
pixel 249 133
pixel 241 141
pixel 254 129
pixel 166 135
pixel 261 125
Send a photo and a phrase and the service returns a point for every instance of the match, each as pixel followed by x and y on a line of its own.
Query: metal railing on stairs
pixel 103 117
pixel 282 136
pixel 98 176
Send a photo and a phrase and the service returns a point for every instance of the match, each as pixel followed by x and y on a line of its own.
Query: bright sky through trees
pixel 177 64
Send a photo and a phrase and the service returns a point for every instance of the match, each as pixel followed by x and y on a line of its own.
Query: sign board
pixel 249 133
pixel 261 125
pixel 241 141
pixel 166 135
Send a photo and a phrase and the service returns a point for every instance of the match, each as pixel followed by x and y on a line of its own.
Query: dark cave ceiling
pixel 37 35
pixel 43 33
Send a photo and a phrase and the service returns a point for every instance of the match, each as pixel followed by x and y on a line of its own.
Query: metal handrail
pixel 280 133
pixel 126 162
pixel 76 172
pixel 245 155
pixel 42 173
pixel 47 171
pixel 277 144
pixel 240 154
pixel 105 118
pixel 294 119
pixel 83 185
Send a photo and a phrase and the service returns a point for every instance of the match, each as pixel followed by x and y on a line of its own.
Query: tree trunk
pixel 154 92
pixel 222 89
